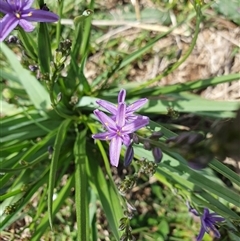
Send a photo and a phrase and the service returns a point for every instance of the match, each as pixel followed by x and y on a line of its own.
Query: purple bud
pixel 147 146
pixel 156 135
pixel 128 156
pixel 157 154
pixel 135 138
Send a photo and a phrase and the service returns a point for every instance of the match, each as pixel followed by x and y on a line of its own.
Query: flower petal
pixel 27 4
pixel 201 234
pixel 140 122
pixel 105 120
pixel 214 217
pixel 5 7
pixel 108 106
pixel 136 105
pixel 121 96
pixel 105 136
pixel 126 140
pixel 121 115
pixel 38 15
pixel 27 26
pixel 7 24
pixel 215 231
pixel 114 150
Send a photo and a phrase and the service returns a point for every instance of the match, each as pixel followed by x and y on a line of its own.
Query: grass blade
pixel 81 190
pixel 53 168
pixel 36 92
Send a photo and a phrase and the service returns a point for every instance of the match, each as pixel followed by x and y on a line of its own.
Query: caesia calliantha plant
pixel 120 124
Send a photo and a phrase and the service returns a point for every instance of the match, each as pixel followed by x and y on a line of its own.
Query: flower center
pixel 119 133
pixel 18 15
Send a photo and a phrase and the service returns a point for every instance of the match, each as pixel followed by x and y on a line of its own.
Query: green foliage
pixel 54 173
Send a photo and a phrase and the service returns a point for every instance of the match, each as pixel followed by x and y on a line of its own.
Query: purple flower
pixel 121 99
pixel 19 12
pixel 118 131
pixel 208 221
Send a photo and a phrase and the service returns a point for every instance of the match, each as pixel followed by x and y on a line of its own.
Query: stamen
pixel 29 14
pixel 18 15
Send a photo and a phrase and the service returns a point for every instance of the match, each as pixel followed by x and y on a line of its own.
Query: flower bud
pixel 157 154
pixel 59 97
pixel 147 146
pixel 128 156
pixel 135 138
pixel 156 135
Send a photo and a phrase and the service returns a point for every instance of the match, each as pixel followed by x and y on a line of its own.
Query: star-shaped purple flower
pixel 19 12
pixel 118 131
pixel 121 99
pixel 208 221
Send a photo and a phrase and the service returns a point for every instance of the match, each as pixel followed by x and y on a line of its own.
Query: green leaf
pixel 44 48
pixel 106 192
pixel 28 43
pixel 81 186
pixel 53 168
pixel 36 92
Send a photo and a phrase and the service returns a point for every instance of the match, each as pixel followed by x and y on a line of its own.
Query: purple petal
pixel 108 106
pixel 140 122
pixel 105 120
pixel 121 115
pixel 27 26
pixel 105 136
pixel 205 213
pixel 27 4
pixel 126 140
pixel 114 150
pixel 201 234
pixel 5 7
pixel 136 105
pixel 215 218
pixel 215 231
pixel 194 211
pixel 7 24
pixel 121 96
pixel 38 15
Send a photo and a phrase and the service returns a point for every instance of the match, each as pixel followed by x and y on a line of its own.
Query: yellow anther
pixel 29 14
pixel 18 15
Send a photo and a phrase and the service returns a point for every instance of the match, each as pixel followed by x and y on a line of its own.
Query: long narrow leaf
pixel 81 192
pixel 36 92
pixel 53 168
